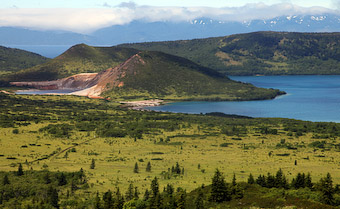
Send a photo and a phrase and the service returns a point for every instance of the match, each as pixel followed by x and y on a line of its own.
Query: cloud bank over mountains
pixel 88 20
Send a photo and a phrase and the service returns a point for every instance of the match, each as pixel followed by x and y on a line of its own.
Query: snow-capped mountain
pixel 141 31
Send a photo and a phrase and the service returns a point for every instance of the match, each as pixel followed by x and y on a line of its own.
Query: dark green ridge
pixel 264 53
pixel 13 60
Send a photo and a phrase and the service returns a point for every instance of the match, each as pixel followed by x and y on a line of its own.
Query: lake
pixel 312 98
pixel 41 92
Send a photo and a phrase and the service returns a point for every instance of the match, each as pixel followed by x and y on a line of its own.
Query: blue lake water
pixel 50 51
pixel 40 92
pixel 312 98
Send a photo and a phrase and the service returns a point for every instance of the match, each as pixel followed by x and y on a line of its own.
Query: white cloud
pixel 88 20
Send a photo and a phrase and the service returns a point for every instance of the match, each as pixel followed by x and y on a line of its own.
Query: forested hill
pixel 158 75
pixel 12 60
pixel 265 53
pixel 80 58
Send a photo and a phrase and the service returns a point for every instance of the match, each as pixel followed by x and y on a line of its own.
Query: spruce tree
pixel 108 200
pixel 20 171
pixel 47 178
pixel 251 179
pixel 136 169
pixel 308 181
pixel 199 204
pixel 52 196
pixel 146 195
pixel 136 194
pixel 327 190
pixel 93 164
pixel 148 167
pixel 5 180
pixel 181 199
pixel 118 199
pixel 129 193
pixel 97 202
pixel 219 189
pixel 62 179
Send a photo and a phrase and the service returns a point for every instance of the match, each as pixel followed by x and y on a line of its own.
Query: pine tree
pixel 5 180
pixel 251 179
pixel 62 179
pixel 280 180
pixel 261 180
pixel 136 194
pixel 199 204
pixel 136 169
pixel 308 181
pixel 219 189
pixel 177 168
pixel 129 193
pixel 181 199
pixel 97 202
pixel 47 178
pixel 146 195
pixel 20 171
pixel 270 183
pixel 327 190
pixel 52 196
pixel 118 200
pixel 93 164
pixel 108 200
pixel 148 167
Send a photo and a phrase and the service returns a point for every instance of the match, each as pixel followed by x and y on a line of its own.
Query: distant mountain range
pixel 139 31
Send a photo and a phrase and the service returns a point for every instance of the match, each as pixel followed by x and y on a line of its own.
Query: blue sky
pixel 181 3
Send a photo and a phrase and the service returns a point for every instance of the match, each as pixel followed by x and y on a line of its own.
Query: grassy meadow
pixel 196 142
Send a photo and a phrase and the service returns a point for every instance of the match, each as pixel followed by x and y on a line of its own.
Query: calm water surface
pixel 40 92
pixel 313 98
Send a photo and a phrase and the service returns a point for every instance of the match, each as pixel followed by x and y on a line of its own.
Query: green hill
pixel 159 75
pixel 266 53
pixel 13 60
pixel 78 59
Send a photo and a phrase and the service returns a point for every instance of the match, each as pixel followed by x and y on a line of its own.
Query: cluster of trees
pixel 38 189
pixel 302 180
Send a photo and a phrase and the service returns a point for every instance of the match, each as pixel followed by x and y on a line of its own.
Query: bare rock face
pixel 90 84
pixel 78 81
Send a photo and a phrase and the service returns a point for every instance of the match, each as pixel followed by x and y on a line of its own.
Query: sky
pixel 86 16
pixel 179 3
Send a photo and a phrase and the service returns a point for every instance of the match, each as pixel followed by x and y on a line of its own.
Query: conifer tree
pixel 47 178
pixel 146 195
pixel 199 204
pixel 20 171
pixel 93 164
pixel 136 194
pixel 5 180
pixel 219 189
pixel 136 169
pixel 62 179
pixel 148 167
pixel 129 193
pixel 308 181
pixel 251 179
pixel 118 200
pixel 108 200
pixel 52 196
pixel 97 202
pixel 327 190
pixel 181 199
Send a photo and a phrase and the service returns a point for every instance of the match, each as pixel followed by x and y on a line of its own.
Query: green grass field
pixel 190 145
pixel 66 133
